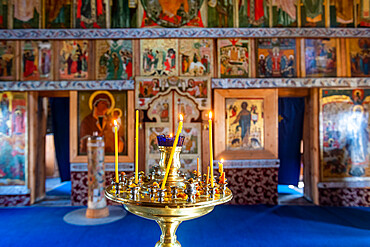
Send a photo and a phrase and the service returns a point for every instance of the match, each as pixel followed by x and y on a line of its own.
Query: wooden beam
pixel 298 56
pixel 252 58
pixel 42 113
pixel 327 13
pixel 315 144
pixel 348 59
pixel 302 61
pixel 293 92
pixel 32 144
pixel 299 14
pixel 339 58
pixel 54 94
pixel 205 142
pixel 136 56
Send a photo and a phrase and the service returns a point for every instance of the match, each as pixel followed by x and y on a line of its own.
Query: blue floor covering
pixel 226 226
pixel 285 190
pixel 62 190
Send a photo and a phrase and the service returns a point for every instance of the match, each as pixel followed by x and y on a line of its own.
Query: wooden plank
pixel 355 16
pixel 236 13
pixel 73 145
pixel 130 129
pixel 327 13
pixel 32 144
pixel 54 94
pixel 314 145
pixel 219 121
pixel 293 92
pixel 42 114
pixel 299 20
pixel 136 56
pixel 348 59
pixel 303 63
pixel 343 53
pixel 339 58
pixel 252 58
pixel 205 142
pixel 298 55
pixel 271 23
pixel 91 60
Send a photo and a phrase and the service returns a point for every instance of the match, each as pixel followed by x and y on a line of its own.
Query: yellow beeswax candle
pixel 137 147
pixel 221 166
pixel 179 128
pixel 207 180
pixel 210 146
pixel 116 150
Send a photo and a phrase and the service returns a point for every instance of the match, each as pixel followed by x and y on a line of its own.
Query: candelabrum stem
pixel 168 237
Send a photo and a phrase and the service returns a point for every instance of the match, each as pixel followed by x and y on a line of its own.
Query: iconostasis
pixel 134 58
pixel 190 13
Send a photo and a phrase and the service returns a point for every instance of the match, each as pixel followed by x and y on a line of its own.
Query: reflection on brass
pixel 193 198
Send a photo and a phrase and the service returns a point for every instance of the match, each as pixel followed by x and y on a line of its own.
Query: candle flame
pixel 115 123
pixel 171 135
pixel 222 160
pixel 210 115
pixel 181 117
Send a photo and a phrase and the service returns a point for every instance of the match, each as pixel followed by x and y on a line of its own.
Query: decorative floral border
pixel 66 85
pixel 135 33
pixel 82 167
pixel 290 82
pixel 235 164
pixel 344 184
pixel 216 83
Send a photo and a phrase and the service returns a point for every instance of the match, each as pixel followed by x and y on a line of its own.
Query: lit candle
pixel 221 166
pixel 179 128
pixel 210 146
pixel 116 150
pixel 137 148
pixel 207 180
pixel 198 171
pixel 222 178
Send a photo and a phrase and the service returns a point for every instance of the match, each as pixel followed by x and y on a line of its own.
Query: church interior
pixel 245 121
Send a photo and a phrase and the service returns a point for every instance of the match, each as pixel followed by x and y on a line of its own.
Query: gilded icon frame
pixel 75 157
pixel 270 99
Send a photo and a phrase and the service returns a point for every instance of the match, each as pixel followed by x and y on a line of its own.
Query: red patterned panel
pixel 15 200
pixel 249 186
pixel 344 197
pixel 79 186
pixel 253 185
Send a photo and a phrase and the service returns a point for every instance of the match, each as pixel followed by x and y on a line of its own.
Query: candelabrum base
pixel 168 237
pixel 169 219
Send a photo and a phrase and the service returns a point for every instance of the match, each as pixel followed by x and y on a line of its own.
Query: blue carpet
pixel 62 190
pixel 285 190
pixel 225 226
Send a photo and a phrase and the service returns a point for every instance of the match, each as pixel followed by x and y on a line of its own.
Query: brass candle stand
pixel 182 199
